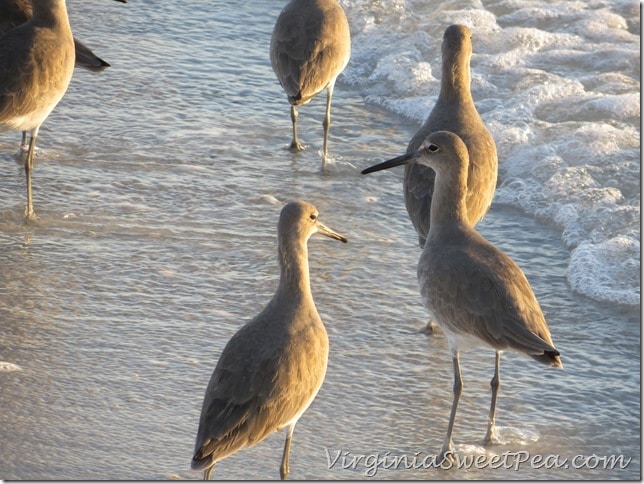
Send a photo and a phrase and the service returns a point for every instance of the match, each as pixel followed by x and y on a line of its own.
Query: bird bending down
pixel 36 65
pixel 474 291
pixel 310 47
pixel 272 368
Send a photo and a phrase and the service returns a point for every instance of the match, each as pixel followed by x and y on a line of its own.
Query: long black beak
pixel 399 160
pixel 324 230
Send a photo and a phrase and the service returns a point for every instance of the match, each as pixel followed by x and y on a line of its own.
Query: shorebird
pixel 36 65
pixel 476 293
pixel 454 111
pixel 16 12
pixel 310 47
pixel 272 368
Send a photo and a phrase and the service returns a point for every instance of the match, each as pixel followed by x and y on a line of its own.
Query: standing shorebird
pixel 272 368
pixel 454 111
pixel 310 47
pixel 474 291
pixel 36 65
pixel 16 12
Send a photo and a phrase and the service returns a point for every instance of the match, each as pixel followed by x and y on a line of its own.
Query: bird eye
pixel 433 148
pixel 313 216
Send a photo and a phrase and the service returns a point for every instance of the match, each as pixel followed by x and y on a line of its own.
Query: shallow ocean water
pixel 158 186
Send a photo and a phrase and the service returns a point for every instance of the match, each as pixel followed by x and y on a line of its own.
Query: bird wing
pixel 483 292
pixel 87 59
pixel 305 53
pixel 236 389
pixel 15 73
pixel 14 13
pixel 249 397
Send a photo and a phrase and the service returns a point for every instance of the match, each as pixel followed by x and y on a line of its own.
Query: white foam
pixel 514 435
pixel 6 366
pixel 593 270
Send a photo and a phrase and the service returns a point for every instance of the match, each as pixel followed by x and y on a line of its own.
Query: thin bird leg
pixel 284 468
pixel 448 446
pixel 295 145
pixel 207 472
pixel 326 124
pixel 495 383
pixel 29 166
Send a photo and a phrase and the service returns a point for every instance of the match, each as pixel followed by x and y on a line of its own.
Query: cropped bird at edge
pixel 272 368
pixel 310 47
pixel 16 12
pixel 37 57
pixel 476 293
pixel 36 65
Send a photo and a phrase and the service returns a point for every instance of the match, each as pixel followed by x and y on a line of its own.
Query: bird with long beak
pixel 272 368
pixel 476 293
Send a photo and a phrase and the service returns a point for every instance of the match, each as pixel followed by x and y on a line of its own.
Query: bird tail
pixel 295 100
pixel 300 99
pixel 550 358
pixel 200 462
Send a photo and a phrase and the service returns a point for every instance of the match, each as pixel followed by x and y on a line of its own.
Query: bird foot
pixel 30 216
pixel 326 160
pixel 446 455
pixel 31 219
pixel 430 329
pixel 491 438
pixel 296 146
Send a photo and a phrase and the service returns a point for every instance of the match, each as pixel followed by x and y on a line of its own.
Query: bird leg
pixel 448 446
pixel 295 145
pixel 326 124
pixel 207 472
pixel 495 383
pixel 284 468
pixel 29 166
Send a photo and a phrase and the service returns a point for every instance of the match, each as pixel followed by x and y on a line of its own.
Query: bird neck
pixel 448 201
pixel 455 81
pixel 294 270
